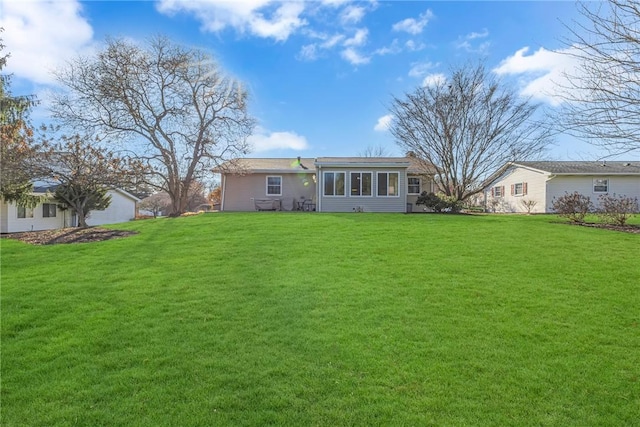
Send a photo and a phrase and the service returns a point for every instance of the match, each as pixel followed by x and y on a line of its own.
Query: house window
pixel 361 183
pixel 497 191
pixel 24 212
pixel 519 189
pixel 413 185
pixel 48 210
pixel 600 185
pixel 274 186
pixel 388 184
pixel 334 183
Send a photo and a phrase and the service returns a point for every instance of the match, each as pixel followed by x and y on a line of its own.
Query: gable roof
pixel 584 168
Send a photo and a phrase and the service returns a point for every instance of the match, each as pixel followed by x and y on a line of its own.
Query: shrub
pixel 528 205
pixel 574 206
pixel 439 202
pixel 617 209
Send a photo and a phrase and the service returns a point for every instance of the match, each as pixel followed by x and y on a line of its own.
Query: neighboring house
pixel 49 215
pixel 326 184
pixel 517 184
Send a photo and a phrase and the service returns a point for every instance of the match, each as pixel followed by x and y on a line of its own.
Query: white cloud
pixel 383 123
pixel 434 79
pixel 263 140
pixel 352 14
pixel 412 46
pixel 466 42
pixel 420 69
pixel 41 36
pixel 308 52
pixel 541 73
pixel 263 18
pixel 412 25
pixel 393 49
pixel 354 57
pixel 358 39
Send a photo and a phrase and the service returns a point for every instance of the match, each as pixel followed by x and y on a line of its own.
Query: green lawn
pixel 324 320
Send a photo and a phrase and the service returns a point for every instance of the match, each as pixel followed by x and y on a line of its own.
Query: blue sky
pixel 321 73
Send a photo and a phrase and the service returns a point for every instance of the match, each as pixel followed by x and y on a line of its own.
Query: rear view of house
pixel 325 184
pixel 532 186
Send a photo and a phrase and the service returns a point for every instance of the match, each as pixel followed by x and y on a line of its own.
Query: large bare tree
pixel 172 106
pixel 467 125
pixel 602 93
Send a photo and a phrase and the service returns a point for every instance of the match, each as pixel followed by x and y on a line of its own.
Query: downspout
pixel 224 185
pixel 318 185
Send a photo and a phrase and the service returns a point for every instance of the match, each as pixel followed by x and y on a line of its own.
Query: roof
pixel 267 165
pixel 584 168
pixel 297 165
pixel 364 161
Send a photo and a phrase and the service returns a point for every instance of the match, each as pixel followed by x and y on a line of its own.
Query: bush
pixel 617 210
pixel 439 202
pixel 574 206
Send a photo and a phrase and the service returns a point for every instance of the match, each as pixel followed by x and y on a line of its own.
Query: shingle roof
pixel 292 165
pixel 585 168
pixel 267 165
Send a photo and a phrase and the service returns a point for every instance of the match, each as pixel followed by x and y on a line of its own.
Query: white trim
pixel 419 185
pixel 378 183
pixel 361 172
pixel 593 186
pixel 266 189
pixel 334 184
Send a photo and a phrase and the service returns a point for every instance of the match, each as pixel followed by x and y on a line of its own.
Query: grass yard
pixel 325 320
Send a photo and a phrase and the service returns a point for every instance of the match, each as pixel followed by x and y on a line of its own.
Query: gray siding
pixel 374 203
pixel 241 191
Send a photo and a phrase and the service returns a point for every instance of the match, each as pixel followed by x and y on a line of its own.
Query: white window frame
pixel 596 183
pixel 28 212
pixel 351 183
pixel 410 185
pixel 515 189
pixel 378 184
pixel 498 191
pixel 267 185
pixel 335 173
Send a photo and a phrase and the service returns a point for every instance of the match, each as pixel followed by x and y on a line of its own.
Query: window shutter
pixel 524 188
pixel 513 189
pixel 493 191
pixel 502 192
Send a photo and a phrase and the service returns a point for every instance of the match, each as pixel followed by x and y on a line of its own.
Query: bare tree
pixel 375 151
pixel 467 126
pixel 602 93
pixel 156 203
pixel 172 104
pixel 83 174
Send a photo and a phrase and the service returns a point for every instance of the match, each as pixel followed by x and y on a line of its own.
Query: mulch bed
pixel 634 229
pixel 68 235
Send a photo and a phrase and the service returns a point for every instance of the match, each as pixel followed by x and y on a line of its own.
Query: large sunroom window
pixel 334 183
pixel 388 184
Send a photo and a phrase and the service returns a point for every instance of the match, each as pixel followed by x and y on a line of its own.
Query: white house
pixel 48 215
pixel 532 186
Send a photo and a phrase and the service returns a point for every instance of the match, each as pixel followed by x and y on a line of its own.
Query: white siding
pixel 12 224
pixel 374 203
pixel 241 191
pixel 121 209
pixel 536 183
pixel 618 185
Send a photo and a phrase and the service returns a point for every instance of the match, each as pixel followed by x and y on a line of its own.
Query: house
pixel 532 186
pixel 324 184
pixel 50 214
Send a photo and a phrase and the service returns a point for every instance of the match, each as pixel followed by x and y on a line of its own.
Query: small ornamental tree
pixel 617 209
pixel 574 206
